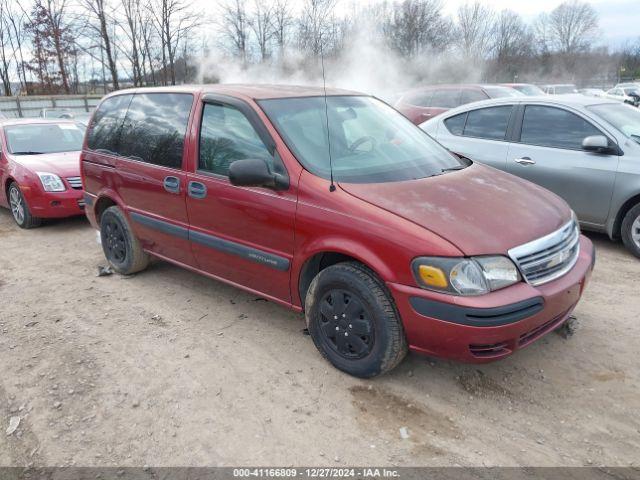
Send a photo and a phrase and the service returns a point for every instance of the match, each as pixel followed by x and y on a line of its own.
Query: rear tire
pixel 121 247
pixel 631 230
pixel 19 208
pixel 353 321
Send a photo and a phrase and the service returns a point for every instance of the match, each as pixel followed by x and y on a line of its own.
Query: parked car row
pixel 333 204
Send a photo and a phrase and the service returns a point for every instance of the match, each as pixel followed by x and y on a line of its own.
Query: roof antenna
pixel 332 187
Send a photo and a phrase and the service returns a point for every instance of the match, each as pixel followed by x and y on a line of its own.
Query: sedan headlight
pixel 465 276
pixel 51 182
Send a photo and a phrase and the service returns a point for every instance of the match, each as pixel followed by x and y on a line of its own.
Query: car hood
pixel 64 164
pixel 480 210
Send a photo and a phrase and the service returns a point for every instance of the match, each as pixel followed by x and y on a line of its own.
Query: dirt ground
pixel 170 368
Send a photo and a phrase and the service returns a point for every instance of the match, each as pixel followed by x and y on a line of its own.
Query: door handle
pixel 525 161
pixel 172 184
pixel 197 190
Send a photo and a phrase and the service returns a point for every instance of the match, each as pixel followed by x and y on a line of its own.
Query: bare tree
pixel 173 19
pixel 234 24
pixel 417 25
pixel 261 23
pixel 569 28
pixel 316 29
pixel 282 23
pixel 97 10
pixel 5 74
pixel 474 29
pixel 133 46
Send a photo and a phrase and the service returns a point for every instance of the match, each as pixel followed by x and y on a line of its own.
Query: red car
pixel 421 104
pixel 342 210
pixel 40 169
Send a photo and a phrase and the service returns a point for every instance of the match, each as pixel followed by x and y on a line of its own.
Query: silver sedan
pixel 585 149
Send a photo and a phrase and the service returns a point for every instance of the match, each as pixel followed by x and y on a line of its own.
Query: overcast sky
pixel 619 19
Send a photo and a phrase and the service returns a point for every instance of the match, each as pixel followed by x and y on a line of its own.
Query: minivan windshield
pixel 36 139
pixel 623 117
pixel 369 141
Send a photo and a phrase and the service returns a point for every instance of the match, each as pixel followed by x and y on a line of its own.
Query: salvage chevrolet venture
pixel 339 207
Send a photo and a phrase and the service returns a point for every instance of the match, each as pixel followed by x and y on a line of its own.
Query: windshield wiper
pixel 635 138
pixel 452 169
pixel 28 152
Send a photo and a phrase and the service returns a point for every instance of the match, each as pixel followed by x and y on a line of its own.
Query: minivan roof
pixel 254 91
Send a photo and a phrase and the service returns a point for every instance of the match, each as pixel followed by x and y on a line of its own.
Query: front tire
pixel 121 247
pixel 631 230
pixel 20 210
pixel 353 321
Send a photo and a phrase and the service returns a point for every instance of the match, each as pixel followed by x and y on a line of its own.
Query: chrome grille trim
pixel 75 182
pixel 550 257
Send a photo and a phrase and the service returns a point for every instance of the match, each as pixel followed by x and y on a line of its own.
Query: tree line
pixel 70 46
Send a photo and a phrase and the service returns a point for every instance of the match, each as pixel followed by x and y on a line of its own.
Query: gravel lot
pixel 170 368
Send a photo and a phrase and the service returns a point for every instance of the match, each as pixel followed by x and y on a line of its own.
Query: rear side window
pixel 554 127
pixel 456 124
pixel 226 135
pixel 490 123
pixel 104 133
pixel 445 98
pixel 154 128
pixel 469 96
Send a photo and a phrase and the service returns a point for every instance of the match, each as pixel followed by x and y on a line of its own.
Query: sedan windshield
pixel 530 90
pixel 502 92
pixel 623 117
pixel 369 142
pixel 41 138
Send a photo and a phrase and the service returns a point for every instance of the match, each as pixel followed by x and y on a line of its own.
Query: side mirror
pixel 598 144
pixel 255 173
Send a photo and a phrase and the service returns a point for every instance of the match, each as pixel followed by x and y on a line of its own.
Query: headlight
pixel 465 276
pixel 51 182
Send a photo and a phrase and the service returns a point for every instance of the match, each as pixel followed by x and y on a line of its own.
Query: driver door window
pixel 226 136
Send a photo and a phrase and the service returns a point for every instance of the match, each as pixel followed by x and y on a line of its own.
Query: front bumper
pixel 489 327
pixel 54 204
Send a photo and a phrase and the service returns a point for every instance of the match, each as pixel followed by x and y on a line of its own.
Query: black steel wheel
pixel 121 247
pixel 353 320
pixel 346 325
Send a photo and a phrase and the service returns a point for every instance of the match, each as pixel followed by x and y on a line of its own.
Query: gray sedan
pixel 585 149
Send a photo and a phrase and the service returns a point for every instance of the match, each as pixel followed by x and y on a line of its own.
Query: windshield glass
pixel 562 89
pixel 370 141
pixel 530 90
pixel 623 117
pixel 501 92
pixel 43 138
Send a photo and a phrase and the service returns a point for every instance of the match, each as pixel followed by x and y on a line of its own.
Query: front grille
pixel 75 182
pixel 549 257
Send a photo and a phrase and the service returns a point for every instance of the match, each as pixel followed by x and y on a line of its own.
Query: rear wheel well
pixel 315 265
pixel 101 205
pixel 628 205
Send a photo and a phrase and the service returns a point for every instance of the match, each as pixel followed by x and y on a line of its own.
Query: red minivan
pixel 337 207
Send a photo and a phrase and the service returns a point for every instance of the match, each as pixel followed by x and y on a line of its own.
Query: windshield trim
pixel 290 145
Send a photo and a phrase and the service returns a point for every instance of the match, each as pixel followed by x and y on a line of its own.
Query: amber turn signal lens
pixel 432 276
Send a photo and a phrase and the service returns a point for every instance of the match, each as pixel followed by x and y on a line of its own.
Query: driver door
pixel 240 234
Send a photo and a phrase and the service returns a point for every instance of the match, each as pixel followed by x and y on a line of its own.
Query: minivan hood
pixel 64 164
pixel 479 209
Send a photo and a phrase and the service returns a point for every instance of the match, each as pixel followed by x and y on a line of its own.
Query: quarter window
pixel 104 133
pixel 490 123
pixel 554 127
pixel 456 123
pixel 154 128
pixel 226 135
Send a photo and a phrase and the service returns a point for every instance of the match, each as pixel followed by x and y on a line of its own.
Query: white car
pixel 630 95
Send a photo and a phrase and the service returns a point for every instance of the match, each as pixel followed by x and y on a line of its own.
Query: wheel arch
pixel 320 259
pixel 616 227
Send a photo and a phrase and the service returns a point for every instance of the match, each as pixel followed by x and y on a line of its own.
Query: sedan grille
pixel 75 182
pixel 549 257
